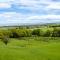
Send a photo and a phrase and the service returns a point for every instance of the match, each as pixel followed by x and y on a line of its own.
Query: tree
pixel 5 40
pixel 36 32
pixel 56 32
pixel 48 33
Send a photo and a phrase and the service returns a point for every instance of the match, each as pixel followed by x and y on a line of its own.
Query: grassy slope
pixel 30 49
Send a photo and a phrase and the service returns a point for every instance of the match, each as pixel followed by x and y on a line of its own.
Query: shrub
pixel 48 33
pixel 5 40
pixel 56 32
pixel 16 33
pixel 37 32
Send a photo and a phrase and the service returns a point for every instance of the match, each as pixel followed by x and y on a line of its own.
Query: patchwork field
pixel 37 48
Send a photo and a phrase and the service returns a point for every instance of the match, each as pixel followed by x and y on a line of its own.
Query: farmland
pixel 30 43
pixel 31 48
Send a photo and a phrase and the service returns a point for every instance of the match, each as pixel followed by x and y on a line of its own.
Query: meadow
pixel 31 48
pixel 30 42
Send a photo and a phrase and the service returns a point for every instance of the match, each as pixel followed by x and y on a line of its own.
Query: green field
pixel 31 49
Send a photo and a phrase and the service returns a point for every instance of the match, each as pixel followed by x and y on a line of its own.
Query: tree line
pixel 17 33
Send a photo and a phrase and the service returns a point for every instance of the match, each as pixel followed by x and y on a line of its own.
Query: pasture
pixel 31 48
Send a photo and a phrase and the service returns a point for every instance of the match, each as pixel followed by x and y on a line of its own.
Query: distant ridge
pixel 37 24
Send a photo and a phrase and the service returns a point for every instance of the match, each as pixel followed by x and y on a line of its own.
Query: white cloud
pixel 13 17
pixel 44 18
pixel 5 5
pixel 35 6
pixel 54 5
pixel 56 17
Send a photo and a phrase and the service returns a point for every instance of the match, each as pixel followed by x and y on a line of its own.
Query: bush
pixel 37 32
pixel 56 32
pixel 16 33
pixel 5 39
pixel 48 33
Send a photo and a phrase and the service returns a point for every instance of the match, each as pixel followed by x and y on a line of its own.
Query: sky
pixel 29 11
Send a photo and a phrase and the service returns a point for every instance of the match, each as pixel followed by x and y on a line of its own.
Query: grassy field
pixel 38 48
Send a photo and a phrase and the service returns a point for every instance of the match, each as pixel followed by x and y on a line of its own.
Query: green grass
pixel 31 49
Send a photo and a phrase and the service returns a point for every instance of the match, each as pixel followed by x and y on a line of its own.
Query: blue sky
pixel 29 11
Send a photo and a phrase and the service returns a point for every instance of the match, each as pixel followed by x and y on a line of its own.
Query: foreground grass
pixel 31 49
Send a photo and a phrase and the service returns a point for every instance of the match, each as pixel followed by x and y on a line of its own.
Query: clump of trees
pixel 37 32
pixel 56 32
pixel 17 33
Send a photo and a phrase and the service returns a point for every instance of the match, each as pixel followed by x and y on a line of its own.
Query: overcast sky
pixel 29 11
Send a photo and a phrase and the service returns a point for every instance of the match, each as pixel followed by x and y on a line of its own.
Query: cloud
pixel 56 0
pixel 5 5
pixel 17 18
pixel 45 17
pixel 38 6
pixel 12 18
pixel 30 11
pixel 32 6
pixel 54 6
